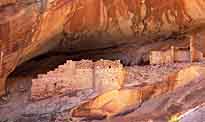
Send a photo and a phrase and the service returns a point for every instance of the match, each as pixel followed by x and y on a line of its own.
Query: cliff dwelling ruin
pixel 177 54
pixel 102 60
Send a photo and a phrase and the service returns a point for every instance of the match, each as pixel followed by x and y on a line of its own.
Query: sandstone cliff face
pixel 15 35
pixel 30 27
pixel 6 2
pixel 121 20
pixel 25 28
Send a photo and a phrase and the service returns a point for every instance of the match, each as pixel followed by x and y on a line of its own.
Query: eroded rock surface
pixel 112 29
pixel 90 25
pixel 6 2
pixel 117 101
pixel 57 108
pixel 194 115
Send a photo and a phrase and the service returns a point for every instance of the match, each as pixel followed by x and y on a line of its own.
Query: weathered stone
pixel 189 74
pixel 165 106
pixel 112 102
pixel 196 114
pixel 177 54
pixel 90 24
pixel 6 2
pixel 182 55
pixel 108 75
pixel 102 76
pixel 118 101
pixel 13 41
pixel 160 57
pixel 158 106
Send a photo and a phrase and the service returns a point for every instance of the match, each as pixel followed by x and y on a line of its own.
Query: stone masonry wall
pixel 102 76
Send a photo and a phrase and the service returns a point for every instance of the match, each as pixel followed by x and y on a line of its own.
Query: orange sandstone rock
pixel 89 24
pixel 118 101
pixel 6 2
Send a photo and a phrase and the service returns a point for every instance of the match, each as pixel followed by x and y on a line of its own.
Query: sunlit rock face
pixel 32 27
pixel 15 35
pixel 114 102
pixel 26 30
pixel 6 2
pixel 123 20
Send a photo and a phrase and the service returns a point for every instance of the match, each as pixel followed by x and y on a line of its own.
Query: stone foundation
pixel 102 76
pixel 175 55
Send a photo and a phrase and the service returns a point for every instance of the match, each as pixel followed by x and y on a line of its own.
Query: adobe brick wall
pixel 182 56
pixel 109 75
pixel 160 57
pixel 102 76
pixel 176 55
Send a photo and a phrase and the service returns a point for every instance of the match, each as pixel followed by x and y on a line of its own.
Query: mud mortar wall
pixel 101 76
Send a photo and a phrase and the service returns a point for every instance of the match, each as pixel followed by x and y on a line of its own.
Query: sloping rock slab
pixel 161 108
pixel 118 101
pixel 194 115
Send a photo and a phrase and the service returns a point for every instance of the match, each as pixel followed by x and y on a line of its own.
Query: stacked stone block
pixel 176 55
pixel 102 76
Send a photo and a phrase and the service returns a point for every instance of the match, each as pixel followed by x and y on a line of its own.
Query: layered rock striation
pixel 89 25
